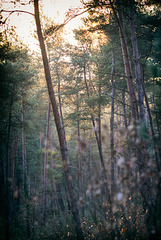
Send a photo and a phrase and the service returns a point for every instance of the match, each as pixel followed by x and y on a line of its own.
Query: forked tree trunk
pixel 59 127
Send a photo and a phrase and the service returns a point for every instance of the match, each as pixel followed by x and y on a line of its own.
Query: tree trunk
pixel 23 140
pixel 55 198
pixel 25 177
pixel 80 176
pixel 41 159
pixel 136 62
pixel 60 103
pixel 112 129
pixel 157 158
pixel 6 173
pixel 126 60
pixel 105 188
pixel 46 165
pixel 14 151
pixel 59 127
pixel 41 138
pixel 94 126
pixel 99 115
pixel 124 108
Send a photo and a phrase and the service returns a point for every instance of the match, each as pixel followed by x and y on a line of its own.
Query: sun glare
pixel 54 9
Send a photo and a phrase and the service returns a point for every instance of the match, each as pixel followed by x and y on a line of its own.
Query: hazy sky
pixel 55 9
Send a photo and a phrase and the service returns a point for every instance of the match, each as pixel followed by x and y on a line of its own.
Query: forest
pixel 80 124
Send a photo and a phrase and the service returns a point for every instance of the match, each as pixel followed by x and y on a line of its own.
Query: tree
pixel 60 130
pixel 13 60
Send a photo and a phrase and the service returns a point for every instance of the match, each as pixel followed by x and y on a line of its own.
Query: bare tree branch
pixel 14 11
pixel 69 17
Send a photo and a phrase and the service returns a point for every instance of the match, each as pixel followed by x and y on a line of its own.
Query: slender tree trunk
pixel 90 159
pixel 23 140
pixel 46 164
pixel 59 94
pixel 94 126
pixel 59 127
pixel 104 187
pixel 80 176
pixel 124 108
pixel 60 197
pixel 52 167
pixel 14 151
pixel 99 116
pixel 112 129
pixel 157 124
pixel 157 158
pixel 6 173
pixel 126 59
pixel 25 177
pixel 41 159
pixel 8 142
pixel 137 63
